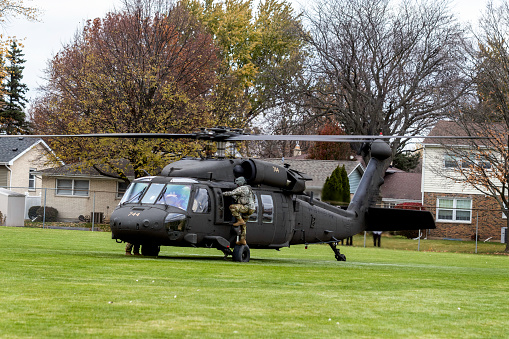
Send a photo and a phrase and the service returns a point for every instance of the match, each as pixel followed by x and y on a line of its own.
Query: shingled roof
pixel 13 147
pixel 453 128
pixel 401 185
pixel 78 170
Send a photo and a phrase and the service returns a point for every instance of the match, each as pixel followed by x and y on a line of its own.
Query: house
pixel 20 159
pixel 458 208
pixel 400 187
pixel 319 170
pixel 79 193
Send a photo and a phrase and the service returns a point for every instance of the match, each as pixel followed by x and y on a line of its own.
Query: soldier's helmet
pixel 240 181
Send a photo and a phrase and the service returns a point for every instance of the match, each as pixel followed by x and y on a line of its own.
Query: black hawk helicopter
pixel 184 205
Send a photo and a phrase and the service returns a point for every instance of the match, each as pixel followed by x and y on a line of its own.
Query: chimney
pixel 297 151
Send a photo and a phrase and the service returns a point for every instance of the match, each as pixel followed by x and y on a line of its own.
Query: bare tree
pixel 382 66
pixel 484 163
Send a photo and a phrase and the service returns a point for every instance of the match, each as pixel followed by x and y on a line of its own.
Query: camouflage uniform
pixel 244 208
pixel 129 248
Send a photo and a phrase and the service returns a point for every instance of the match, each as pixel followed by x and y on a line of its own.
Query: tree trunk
pixel 507 237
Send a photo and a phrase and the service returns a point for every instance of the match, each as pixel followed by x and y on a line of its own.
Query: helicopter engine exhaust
pixel 258 172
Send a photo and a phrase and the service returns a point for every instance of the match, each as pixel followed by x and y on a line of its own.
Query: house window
pixel 31 179
pixel 454 209
pixel 450 161
pixel 72 187
pixel 121 188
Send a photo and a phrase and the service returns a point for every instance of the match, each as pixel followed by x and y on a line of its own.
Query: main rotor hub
pixel 218 133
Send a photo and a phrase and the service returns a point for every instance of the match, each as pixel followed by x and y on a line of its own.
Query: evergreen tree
pixel 336 187
pixel 406 161
pixel 2 90
pixel 345 196
pixel 12 116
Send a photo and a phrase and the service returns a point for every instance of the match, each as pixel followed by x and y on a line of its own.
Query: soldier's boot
pixel 239 222
pixel 137 253
pixel 127 253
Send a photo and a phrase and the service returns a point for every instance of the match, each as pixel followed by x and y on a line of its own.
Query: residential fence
pixel 65 206
pixel 92 208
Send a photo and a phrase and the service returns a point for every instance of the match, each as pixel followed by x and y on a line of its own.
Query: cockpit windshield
pixel 172 194
pixel 134 192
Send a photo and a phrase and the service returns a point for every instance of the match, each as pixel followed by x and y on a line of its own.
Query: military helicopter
pixel 184 205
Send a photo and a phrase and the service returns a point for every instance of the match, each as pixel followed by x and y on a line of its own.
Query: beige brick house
pixel 76 193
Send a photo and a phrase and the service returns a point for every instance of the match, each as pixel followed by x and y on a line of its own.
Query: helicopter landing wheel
pixel 337 255
pixel 340 257
pixel 241 253
pixel 150 250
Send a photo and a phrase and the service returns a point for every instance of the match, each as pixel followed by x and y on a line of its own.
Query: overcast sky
pixel 61 19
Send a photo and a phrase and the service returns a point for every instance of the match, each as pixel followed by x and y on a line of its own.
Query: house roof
pixel 78 170
pixel 14 147
pixel 319 170
pixel 401 185
pixel 453 128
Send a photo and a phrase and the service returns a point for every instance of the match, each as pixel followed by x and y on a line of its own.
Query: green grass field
pixel 72 284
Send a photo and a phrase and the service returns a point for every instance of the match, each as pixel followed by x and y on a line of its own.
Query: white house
pixel 458 208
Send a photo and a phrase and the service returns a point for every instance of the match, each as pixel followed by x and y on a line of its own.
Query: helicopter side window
pixel 201 203
pixel 267 208
pixel 152 193
pixel 254 217
pixel 176 196
pixel 134 192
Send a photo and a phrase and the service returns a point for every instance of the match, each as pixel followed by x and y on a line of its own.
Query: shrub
pixel 32 212
pixel 51 213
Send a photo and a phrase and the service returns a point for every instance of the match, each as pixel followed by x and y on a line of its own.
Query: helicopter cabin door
pixel 261 224
pixel 201 206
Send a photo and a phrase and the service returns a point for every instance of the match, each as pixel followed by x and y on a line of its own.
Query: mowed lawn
pixel 72 284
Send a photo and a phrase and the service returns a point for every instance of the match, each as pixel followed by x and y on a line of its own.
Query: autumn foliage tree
pixel 146 68
pixel 261 53
pixel 328 150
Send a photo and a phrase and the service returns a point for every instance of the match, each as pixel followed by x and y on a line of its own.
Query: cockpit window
pixel 175 195
pixel 201 203
pixel 152 194
pixel 134 192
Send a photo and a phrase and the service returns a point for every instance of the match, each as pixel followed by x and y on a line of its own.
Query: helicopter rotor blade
pixel 339 138
pixel 107 135
pixel 235 136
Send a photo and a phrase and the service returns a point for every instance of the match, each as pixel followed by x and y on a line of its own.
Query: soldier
pixel 129 248
pixel 244 207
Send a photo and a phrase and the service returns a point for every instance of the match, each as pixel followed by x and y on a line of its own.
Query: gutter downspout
pixel 10 175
